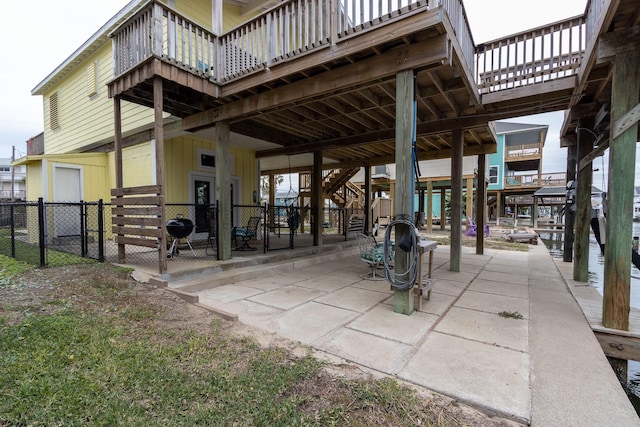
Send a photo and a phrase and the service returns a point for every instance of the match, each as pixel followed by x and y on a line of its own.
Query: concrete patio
pixel 544 369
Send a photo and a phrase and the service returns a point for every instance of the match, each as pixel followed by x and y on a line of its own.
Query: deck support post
pixel 625 93
pixel 117 147
pixel 443 208
pixel 158 131
pixel 481 203
pixel 567 254
pixel 272 201
pixel 223 189
pixel 316 199
pixel 583 203
pixel 469 202
pixel 456 200
pixel 403 301
pixel 429 207
pixel 368 220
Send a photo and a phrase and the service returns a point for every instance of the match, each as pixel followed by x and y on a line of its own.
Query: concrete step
pixel 247 270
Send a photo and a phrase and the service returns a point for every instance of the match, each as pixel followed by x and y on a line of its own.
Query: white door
pixel 67 188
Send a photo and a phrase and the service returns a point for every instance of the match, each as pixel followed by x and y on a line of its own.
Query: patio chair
pixel 371 253
pixel 247 233
pixel 211 237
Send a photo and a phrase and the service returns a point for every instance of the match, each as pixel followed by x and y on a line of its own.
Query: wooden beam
pixel 403 301
pixel 159 154
pixel 455 256
pixel 618 42
pixel 625 93
pixel 223 189
pixel 597 152
pixel 481 203
pixel 432 52
pixel 629 119
pixel 583 206
pixel 618 344
pixel 317 204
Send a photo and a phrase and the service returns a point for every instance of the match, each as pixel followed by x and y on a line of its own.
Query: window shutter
pixel 92 87
pixel 54 116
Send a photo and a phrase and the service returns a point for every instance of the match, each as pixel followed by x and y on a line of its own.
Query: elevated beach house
pixel 170 98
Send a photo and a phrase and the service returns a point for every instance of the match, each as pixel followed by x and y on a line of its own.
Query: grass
pixel 511 315
pixel 30 253
pixel 98 353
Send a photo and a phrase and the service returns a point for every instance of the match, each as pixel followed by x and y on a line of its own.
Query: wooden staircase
pixel 336 185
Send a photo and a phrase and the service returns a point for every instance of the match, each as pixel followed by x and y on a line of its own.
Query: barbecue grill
pixel 179 228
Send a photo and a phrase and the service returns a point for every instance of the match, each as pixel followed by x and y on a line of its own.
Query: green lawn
pixel 84 345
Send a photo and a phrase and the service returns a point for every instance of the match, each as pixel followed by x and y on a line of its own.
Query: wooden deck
pixel 615 343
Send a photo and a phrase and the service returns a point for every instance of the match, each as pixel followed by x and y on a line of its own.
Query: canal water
pixel 553 242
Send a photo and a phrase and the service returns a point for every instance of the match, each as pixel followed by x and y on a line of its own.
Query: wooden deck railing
pixel 290 29
pixel 535 180
pixel 535 56
pixel 158 30
pixel 515 152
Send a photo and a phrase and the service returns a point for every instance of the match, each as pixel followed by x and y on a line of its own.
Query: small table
pixel 423 285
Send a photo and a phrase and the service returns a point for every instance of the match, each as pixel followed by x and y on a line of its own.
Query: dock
pixel 543 369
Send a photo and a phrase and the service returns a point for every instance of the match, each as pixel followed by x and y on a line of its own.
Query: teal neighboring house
pixel 515 170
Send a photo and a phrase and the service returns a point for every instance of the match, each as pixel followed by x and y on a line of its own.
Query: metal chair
pixel 212 233
pixel 371 253
pixel 247 233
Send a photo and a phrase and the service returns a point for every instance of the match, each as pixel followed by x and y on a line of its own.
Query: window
pixel 54 117
pixel 493 174
pixel 206 161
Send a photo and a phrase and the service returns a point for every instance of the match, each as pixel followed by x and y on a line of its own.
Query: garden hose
pixel 404 280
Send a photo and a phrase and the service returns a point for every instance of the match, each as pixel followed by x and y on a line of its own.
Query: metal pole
pixel 100 231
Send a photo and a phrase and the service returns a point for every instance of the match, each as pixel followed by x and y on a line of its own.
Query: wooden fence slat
pixel 135 210
pixel 149 243
pixel 130 191
pixel 136 231
pixel 134 201
pixel 139 221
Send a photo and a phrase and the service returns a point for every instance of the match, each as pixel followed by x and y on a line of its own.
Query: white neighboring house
pixel 636 203
pixel 19 181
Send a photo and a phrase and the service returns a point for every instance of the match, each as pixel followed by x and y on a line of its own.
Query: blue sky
pixel 49 33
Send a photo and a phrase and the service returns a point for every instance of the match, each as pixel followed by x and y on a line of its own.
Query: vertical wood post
pixel 456 200
pixel 443 208
pixel 223 189
pixel 368 220
pixel 567 254
pixel 481 202
pixel 534 212
pixel 117 147
pixel 429 206
pixel 316 199
pixel 583 204
pixel 158 130
pixel 625 93
pixel 469 201
pixel 403 301
pixel 272 201
pixel 499 205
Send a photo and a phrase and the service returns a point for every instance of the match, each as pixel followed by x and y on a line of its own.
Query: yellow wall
pixel 94 173
pixel 34 181
pixel 181 158
pixel 85 120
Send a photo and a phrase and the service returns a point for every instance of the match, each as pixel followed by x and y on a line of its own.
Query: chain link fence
pixel 51 234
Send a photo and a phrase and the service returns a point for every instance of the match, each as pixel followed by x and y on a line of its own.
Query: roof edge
pixel 103 31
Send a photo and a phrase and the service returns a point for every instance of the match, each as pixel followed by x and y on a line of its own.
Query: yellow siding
pixel 83 119
pixel 94 172
pixel 34 181
pixel 198 11
pixel 137 167
pixel 181 158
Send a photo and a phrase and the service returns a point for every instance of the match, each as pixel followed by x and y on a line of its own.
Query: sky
pixel 48 32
